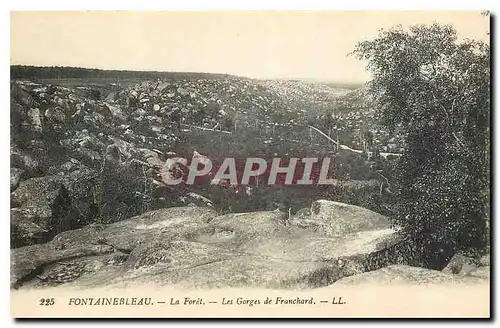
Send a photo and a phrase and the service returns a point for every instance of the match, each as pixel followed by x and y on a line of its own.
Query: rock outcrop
pixel 334 218
pixel 15 177
pixel 481 272
pixel 460 264
pixel 45 206
pixel 194 247
pixel 408 275
pixel 118 238
pixel 485 260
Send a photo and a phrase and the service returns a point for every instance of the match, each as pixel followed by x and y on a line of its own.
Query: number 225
pixel 46 301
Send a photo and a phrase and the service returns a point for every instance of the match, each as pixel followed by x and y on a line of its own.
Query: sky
pixel 302 45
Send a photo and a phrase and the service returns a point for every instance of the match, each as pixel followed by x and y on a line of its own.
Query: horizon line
pixel 310 79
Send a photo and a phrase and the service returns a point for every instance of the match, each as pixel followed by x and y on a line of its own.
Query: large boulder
pixel 66 167
pixel 485 260
pixel 460 264
pixel 139 230
pixel 30 262
pixel 32 163
pixel 45 206
pixel 193 247
pixel 109 110
pixel 84 146
pixel 481 272
pixel 55 115
pixel 15 177
pixel 68 250
pixel 336 219
pixel 35 120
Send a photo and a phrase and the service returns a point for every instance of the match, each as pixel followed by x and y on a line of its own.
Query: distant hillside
pixel 283 106
pixel 59 72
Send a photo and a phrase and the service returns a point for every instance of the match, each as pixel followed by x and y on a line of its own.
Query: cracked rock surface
pixel 195 248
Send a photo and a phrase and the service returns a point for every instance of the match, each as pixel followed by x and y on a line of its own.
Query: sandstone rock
pixel 111 97
pixel 485 260
pixel 26 228
pixel 90 156
pixel 21 95
pixel 195 199
pixel 15 177
pixel 123 236
pixel 35 119
pixel 460 264
pixel 55 115
pixel 258 250
pixel 48 205
pixel 83 138
pixel 115 111
pixel 25 159
pixel 132 232
pixel 407 275
pixel 34 158
pixel 481 272
pixel 30 260
pixel 68 166
pixel 149 156
pixel 192 247
pixel 334 218
pixel 123 147
pixel 84 146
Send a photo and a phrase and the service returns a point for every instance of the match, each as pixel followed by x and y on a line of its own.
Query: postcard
pixel 250 164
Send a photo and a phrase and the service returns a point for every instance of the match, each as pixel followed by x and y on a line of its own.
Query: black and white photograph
pixel 252 163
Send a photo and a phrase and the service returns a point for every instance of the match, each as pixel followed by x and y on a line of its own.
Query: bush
pixel 437 91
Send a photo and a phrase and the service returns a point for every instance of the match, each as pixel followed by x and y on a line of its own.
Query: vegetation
pixel 435 90
pixel 57 72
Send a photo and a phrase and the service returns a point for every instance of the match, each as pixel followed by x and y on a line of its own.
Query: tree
pixel 434 90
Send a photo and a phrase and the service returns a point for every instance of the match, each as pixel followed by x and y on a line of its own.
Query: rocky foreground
pixel 193 247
